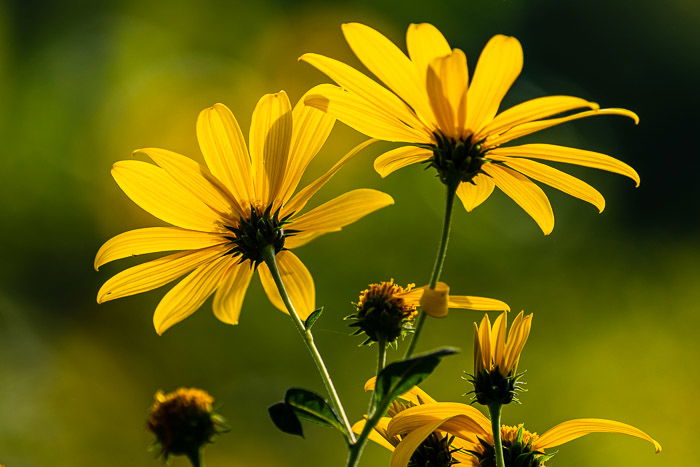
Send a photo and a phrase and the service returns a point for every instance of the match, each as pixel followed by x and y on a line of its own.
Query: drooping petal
pixel 223 146
pixel 311 128
pixel 475 192
pixel 388 63
pixel 409 443
pixel 399 158
pixel 189 294
pixel 270 136
pixel 153 240
pixel 477 303
pixel 157 193
pixel 228 299
pixel 551 152
pixel 197 180
pixel 534 109
pixel 498 67
pixel 556 179
pixel 425 43
pixel 153 274
pixel 473 424
pixel 297 280
pixel 446 84
pixel 415 395
pixel 299 200
pixel 525 193
pixel 386 102
pixel 539 125
pixel 572 429
pixel 341 211
pixel 363 115
pixel 373 435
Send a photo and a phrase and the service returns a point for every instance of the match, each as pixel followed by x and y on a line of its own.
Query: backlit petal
pixel 409 443
pixel 159 194
pixel 270 136
pixel 475 192
pixel 341 211
pixel 197 180
pixel 297 280
pixel 550 152
pixel 473 424
pixel 189 294
pixel 363 115
pixel 223 146
pixel 446 83
pixel 153 240
pixel 498 67
pixel 401 157
pixel 425 43
pixel 568 431
pixel 476 303
pixel 539 125
pixel 153 274
pixel 556 179
pixel 373 435
pixel 534 109
pixel 228 299
pixel 415 395
pixel 434 301
pixel 525 193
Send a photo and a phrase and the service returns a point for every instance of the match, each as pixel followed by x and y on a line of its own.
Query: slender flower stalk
pixel 308 338
pixel 495 412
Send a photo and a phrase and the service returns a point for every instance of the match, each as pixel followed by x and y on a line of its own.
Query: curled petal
pixel 434 301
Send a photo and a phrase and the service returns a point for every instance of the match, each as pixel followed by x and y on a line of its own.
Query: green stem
pixel 495 411
pixel 196 458
pixel 381 361
pixel 308 338
pixel 439 261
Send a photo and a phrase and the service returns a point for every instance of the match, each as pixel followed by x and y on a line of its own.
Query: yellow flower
pixel 454 125
pixel 496 357
pixel 225 214
pixel 473 434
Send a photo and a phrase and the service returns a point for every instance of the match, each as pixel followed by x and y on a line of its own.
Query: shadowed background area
pixel 82 84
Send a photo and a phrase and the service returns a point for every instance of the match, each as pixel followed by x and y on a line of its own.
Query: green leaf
pixel 398 377
pixel 285 418
pixel 310 406
pixel 312 318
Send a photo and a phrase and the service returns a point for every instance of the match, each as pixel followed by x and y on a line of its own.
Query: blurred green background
pixel 84 83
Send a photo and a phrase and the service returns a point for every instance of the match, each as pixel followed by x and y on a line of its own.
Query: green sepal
pixel 311 320
pixel 310 406
pixel 285 419
pixel 398 377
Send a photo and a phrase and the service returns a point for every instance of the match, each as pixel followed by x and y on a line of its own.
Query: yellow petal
pixel 297 280
pixel 197 180
pixel 525 193
pixel 341 211
pixel 270 136
pixel 475 192
pixel 399 158
pixel 485 343
pixel 386 102
pixel 534 109
pixel 390 65
pixel 550 152
pixel 299 200
pixel 374 435
pixel 153 240
pixel 478 356
pixel 153 274
pixel 409 443
pixel 228 299
pixel 310 131
pixel 477 303
pixel 300 239
pixel 189 294
pixel 415 395
pixel 539 125
pixel 556 179
pixel 363 115
pixel 498 67
pixel 517 337
pixel 446 83
pixel 425 43
pixel 568 431
pixel 498 336
pixel 156 192
pixel 224 149
pixel 473 424
pixel 434 301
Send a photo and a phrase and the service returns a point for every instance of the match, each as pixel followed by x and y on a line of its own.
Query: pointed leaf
pixel 311 320
pixel 310 406
pixel 284 418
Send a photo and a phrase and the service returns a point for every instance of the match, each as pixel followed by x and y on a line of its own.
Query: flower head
pixel 183 421
pixel 473 435
pixel 453 125
pixel 496 357
pixel 226 214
